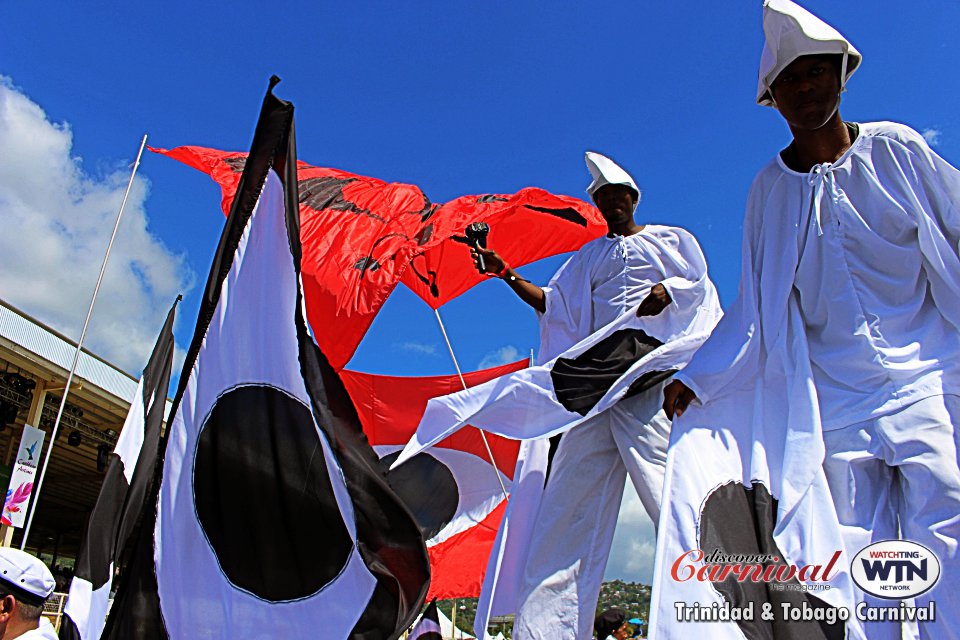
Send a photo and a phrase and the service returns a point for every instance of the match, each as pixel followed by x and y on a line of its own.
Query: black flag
pixel 428 627
pixel 273 518
pixel 129 477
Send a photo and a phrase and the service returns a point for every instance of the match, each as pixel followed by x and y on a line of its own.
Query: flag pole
pixel 76 354
pixel 453 620
pixel 483 436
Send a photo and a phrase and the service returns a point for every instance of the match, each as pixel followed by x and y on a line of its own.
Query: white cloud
pixel 497 357
pixel 634 542
pixel 932 136
pixel 57 219
pixel 418 347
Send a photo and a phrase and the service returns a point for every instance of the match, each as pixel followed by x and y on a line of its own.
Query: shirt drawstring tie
pixel 619 253
pixel 820 177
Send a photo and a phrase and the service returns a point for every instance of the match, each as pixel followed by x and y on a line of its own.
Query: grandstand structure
pixel 34 364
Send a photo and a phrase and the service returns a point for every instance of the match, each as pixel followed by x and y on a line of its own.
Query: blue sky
pixel 457 98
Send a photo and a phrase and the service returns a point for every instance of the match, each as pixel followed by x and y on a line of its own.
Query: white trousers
pixel 898 476
pixel 578 514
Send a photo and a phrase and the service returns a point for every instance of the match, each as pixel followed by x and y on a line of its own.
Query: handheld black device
pixel 476 233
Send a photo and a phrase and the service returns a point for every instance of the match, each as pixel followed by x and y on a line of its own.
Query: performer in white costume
pixel 870 215
pixel 647 270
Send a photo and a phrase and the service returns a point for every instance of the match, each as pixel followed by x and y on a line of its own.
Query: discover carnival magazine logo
pixel 890 569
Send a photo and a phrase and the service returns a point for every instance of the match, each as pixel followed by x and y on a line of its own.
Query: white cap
pixel 605 171
pixel 791 31
pixel 26 572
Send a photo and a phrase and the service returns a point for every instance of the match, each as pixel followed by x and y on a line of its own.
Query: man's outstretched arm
pixel 525 290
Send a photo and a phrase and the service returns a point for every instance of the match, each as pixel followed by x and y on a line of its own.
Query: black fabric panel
pixel 581 382
pixel 272 135
pixel 430 613
pixel 389 539
pixel 740 520
pixel 326 193
pixel 135 614
pixel 259 452
pixel 427 487
pixel 388 536
pixel 552 451
pixel 96 552
pixel 566 213
pixel 156 382
pixel 68 630
pixel 119 505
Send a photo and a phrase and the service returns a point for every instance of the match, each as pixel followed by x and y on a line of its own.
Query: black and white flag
pixel 273 518
pixel 428 627
pixel 129 476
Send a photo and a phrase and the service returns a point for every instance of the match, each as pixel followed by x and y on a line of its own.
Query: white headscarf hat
pixel 791 31
pixel 605 171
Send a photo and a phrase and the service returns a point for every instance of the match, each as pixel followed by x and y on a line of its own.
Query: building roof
pixel 96 407
pixel 42 341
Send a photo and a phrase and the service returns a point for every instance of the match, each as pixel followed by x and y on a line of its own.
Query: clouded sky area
pixel 458 98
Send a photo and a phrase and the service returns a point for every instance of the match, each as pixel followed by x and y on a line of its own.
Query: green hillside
pixel 632 597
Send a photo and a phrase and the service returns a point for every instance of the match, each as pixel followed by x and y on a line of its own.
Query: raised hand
pixel 493 263
pixel 676 398
pixel 655 302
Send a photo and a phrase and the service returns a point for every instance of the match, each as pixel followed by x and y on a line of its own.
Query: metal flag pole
pixel 76 354
pixel 483 436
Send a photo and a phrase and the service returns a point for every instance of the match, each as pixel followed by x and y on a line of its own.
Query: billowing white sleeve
pixel 940 182
pixel 688 289
pixel 569 309
pixel 732 352
pixel 937 214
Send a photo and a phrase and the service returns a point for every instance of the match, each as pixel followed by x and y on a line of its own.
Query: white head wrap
pixel 605 171
pixel 790 32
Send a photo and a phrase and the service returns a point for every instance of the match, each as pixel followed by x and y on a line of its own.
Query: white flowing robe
pixel 905 173
pixel 758 416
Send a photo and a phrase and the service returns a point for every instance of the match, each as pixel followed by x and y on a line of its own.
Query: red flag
pixel 361 236
pixel 453 491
